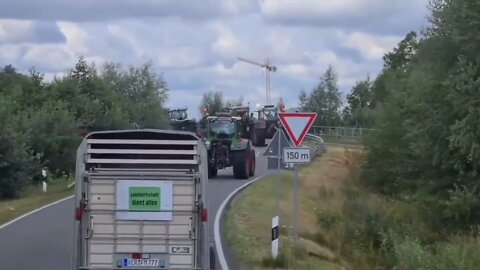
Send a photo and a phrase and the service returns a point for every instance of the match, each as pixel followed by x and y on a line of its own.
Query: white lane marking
pixel 216 232
pixel 34 211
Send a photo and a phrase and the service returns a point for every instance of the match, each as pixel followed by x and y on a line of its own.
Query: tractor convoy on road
pixel 230 135
pixel 127 177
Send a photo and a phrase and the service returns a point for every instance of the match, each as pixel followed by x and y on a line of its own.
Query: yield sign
pixel 297 125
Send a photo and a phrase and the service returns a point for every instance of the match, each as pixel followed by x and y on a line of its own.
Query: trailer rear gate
pixel 112 241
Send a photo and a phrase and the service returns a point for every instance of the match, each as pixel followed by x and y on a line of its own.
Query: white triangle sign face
pixel 297 125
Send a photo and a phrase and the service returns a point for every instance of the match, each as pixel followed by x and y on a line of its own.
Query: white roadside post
pixel 44 183
pixel 275 234
pixel 297 126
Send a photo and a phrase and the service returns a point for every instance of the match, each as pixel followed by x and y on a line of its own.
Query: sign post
pixel 297 126
pixel 274 153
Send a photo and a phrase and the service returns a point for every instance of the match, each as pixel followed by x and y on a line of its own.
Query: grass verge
pixel 343 225
pixel 248 222
pixel 34 198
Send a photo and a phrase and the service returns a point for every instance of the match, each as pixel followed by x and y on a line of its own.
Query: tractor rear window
pixel 222 129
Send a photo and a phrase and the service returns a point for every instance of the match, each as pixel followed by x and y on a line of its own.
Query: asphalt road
pixel 43 240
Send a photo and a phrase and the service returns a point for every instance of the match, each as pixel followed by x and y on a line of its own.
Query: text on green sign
pixel 144 198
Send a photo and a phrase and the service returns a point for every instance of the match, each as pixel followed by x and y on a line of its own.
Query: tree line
pixel 42 123
pixel 425 107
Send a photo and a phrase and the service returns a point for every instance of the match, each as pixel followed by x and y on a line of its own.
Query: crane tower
pixel 269 68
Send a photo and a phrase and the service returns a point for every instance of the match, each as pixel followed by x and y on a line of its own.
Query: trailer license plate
pixel 140 262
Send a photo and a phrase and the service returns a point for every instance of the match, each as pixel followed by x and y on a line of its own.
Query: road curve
pixel 43 240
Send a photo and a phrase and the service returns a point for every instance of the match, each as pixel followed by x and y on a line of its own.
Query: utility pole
pixel 269 68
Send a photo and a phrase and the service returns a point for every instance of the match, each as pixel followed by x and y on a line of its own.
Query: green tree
pixel 357 113
pixel 41 122
pixel 212 100
pixel 17 165
pixel 325 99
pixel 427 111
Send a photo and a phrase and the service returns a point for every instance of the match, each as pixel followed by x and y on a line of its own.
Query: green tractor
pixel 251 128
pixel 179 120
pixel 227 146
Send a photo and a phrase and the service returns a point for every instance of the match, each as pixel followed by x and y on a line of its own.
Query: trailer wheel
pixel 212 258
pixel 241 164
pixel 212 171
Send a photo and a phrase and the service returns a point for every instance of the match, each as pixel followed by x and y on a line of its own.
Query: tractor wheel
pixel 252 164
pixel 212 171
pixel 258 137
pixel 241 163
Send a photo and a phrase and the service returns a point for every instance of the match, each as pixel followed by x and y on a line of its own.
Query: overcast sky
pixel 195 43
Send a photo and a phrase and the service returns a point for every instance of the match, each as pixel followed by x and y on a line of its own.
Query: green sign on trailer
pixel 145 199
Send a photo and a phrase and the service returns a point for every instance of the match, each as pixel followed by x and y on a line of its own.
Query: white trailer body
pixel 140 199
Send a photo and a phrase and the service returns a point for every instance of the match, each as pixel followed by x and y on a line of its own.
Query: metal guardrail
pixel 341 134
pixel 319 147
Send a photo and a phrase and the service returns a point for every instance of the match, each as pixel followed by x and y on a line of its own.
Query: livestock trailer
pixel 140 201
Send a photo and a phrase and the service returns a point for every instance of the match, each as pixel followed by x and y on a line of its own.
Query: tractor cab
pixel 223 126
pixel 178 114
pixel 268 112
pixel 240 111
pixel 179 120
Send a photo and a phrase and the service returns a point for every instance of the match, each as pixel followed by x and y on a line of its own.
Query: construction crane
pixel 269 68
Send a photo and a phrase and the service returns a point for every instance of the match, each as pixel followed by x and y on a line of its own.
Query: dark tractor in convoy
pixel 227 146
pixel 269 116
pixel 250 127
pixel 179 120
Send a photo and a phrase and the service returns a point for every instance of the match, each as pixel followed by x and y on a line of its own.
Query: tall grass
pixel 373 232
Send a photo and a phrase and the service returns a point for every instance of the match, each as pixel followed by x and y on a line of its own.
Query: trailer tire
pixel 241 163
pixel 212 171
pixel 212 258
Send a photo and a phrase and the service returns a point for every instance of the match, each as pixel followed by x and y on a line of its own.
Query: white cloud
pixel 104 10
pixel 12 30
pixel 376 15
pixel 21 31
pixel 196 44
pixel 10 53
pixel 371 47
pixel 227 45
pixel 49 57
pixel 76 38
pixel 124 36
pixel 180 58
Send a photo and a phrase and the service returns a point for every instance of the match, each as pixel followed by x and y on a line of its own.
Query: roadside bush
pixel 462 206
pixel 279 261
pixel 41 122
pixel 16 163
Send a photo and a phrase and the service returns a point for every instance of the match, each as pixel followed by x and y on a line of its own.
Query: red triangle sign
pixel 297 125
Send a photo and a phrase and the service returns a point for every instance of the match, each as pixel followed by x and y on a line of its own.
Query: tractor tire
pixel 258 137
pixel 252 164
pixel 242 163
pixel 212 171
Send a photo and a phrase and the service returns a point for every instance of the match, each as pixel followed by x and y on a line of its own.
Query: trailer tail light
pixel 136 255
pixel 78 213
pixel 204 214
